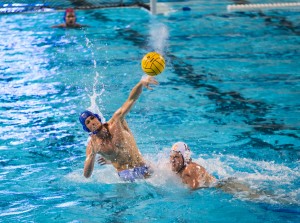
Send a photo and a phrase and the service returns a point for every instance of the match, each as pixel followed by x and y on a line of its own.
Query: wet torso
pixel 118 146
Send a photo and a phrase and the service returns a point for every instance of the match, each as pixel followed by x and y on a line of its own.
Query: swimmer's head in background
pixel 184 150
pixel 84 115
pixel 69 10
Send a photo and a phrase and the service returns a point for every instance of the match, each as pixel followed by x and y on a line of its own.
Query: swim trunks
pixel 133 174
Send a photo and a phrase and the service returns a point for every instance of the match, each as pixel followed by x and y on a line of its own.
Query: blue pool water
pixel 230 90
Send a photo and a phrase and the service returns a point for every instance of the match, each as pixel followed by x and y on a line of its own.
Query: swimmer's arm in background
pixel 89 161
pixel 59 26
pixel 83 26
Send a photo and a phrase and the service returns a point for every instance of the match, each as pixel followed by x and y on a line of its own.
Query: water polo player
pixel 114 141
pixel 70 20
pixel 192 174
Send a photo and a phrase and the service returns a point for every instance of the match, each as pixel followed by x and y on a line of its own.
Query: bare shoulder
pixel 117 116
pixel 194 169
pixel 59 26
pixel 90 141
pixel 194 166
pixel 89 144
pixel 190 175
pixel 81 25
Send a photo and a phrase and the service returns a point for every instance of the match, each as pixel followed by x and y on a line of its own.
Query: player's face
pixel 176 161
pixel 70 18
pixel 93 124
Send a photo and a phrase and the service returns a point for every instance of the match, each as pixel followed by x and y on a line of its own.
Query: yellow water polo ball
pixel 153 63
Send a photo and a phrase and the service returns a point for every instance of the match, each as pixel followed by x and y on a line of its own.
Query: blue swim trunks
pixel 133 174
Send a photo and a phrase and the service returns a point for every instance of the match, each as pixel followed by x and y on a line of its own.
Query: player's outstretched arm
pixel 134 95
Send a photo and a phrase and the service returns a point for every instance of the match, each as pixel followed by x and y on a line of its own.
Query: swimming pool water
pixel 230 90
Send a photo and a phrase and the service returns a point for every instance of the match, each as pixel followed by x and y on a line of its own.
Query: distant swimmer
pixel 70 20
pixel 191 173
pixel 114 141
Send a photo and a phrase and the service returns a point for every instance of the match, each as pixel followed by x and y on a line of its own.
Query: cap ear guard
pixel 98 117
pixel 86 128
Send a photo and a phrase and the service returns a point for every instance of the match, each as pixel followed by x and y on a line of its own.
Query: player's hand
pixel 147 80
pixel 103 161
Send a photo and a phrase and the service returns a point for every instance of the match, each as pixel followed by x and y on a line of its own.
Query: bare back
pixel 196 176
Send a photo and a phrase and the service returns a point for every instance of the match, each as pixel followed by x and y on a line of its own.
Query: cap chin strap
pixel 94 132
pixel 103 126
pixel 183 166
pixel 181 169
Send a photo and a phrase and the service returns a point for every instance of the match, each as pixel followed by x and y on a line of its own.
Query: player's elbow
pixel 87 174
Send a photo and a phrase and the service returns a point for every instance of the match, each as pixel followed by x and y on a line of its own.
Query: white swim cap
pixel 184 150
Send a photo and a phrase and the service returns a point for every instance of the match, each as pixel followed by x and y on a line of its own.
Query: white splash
pixel 272 181
pixel 159 35
pixel 94 107
pixel 67 204
pixel 101 174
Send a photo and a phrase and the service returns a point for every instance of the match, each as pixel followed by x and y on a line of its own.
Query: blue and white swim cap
pixel 84 115
pixel 184 150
